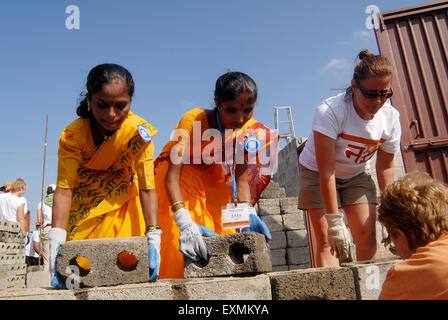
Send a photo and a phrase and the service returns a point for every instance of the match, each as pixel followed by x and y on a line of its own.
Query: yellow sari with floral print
pixel 105 179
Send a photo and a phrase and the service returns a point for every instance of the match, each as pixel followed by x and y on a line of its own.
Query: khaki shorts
pixel 359 189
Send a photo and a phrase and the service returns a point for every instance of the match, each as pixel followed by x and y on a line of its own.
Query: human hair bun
pixel 364 54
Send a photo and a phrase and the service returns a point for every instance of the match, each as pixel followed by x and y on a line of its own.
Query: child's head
pixel 417 206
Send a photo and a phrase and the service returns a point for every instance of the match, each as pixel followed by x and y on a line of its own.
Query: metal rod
pixel 43 183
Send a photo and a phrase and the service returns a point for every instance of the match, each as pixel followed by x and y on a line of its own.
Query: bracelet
pixel 152 227
pixel 176 203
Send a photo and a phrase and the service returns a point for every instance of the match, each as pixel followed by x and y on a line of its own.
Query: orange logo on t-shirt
pixel 363 153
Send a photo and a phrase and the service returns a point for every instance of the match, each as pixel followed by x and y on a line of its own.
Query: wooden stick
pixel 43 184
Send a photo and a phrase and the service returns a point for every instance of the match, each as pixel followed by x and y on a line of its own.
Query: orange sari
pixel 105 179
pixel 205 188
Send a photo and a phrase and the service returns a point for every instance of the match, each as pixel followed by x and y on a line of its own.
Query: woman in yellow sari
pixel 194 182
pixel 105 184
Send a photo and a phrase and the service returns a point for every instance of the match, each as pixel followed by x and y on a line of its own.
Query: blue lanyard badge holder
pixel 235 215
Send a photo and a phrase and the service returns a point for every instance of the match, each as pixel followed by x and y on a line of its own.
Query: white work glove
pixel 57 238
pixel 154 253
pixel 191 243
pixel 338 237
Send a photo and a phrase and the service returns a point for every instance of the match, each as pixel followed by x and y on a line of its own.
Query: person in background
pixel 33 250
pixel 193 191
pixel 12 204
pixel 44 214
pixel 105 182
pixel 414 211
pixel 347 131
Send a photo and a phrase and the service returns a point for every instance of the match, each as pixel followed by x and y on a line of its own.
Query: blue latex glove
pixel 55 280
pixel 154 253
pixel 257 225
pixel 206 232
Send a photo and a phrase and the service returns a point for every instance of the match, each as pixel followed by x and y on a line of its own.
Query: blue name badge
pixel 144 133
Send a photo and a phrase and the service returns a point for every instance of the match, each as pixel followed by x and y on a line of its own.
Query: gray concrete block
pixel 294 221
pixel 239 253
pixel 278 257
pixel 278 240
pixel 12 237
pixel 12 248
pixel 38 279
pixel 280 268
pixel 297 238
pixel 12 259
pixel 313 284
pixel 273 222
pixel 12 270
pixel 268 210
pixel 298 256
pixel 289 205
pixel 12 282
pixel 299 266
pixel 272 191
pixel 9 226
pixel 105 270
pixel 370 275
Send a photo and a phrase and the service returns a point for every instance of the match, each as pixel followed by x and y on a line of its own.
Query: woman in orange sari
pixel 105 184
pixel 197 176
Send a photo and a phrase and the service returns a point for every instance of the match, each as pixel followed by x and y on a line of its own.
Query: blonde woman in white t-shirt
pixel 347 131
pixel 13 204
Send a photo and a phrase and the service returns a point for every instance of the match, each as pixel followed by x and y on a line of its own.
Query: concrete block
pixel 289 205
pixel 278 257
pixel 278 240
pixel 370 275
pixel 12 270
pixel 268 210
pixel 273 222
pixel 313 284
pixel 239 253
pixel 12 237
pixel 12 282
pixel 11 259
pixel 299 266
pixel 38 279
pixel 12 248
pixel 297 238
pixel 105 269
pixel 280 268
pixel 298 255
pixel 273 191
pixel 294 221
pixel 9 226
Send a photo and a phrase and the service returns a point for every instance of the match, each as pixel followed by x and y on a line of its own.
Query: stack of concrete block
pixel 289 244
pixel 12 256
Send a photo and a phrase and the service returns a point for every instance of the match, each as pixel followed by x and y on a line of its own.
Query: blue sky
pixel 298 52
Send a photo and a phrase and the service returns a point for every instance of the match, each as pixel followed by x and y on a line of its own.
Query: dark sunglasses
pixel 373 95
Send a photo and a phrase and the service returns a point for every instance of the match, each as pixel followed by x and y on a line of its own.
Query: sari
pixel 205 185
pixel 105 179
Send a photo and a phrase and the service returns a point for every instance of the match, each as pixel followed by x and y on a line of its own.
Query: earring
pixel 88 104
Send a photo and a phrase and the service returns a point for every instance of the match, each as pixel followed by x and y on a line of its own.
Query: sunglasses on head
pixel 373 95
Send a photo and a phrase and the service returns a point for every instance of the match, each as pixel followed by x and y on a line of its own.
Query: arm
pixel 172 180
pixel 36 246
pixel 325 157
pixel 61 207
pixel 242 183
pixel 384 169
pixel 21 217
pixel 148 200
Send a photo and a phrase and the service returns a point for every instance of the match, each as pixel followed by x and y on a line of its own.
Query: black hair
pixel 231 84
pixel 97 78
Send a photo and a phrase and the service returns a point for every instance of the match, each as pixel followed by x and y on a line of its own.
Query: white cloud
pixel 336 64
pixel 364 35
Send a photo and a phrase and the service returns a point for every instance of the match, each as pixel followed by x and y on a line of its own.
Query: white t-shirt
pixel 357 139
pixel 46 212
pixel 8 206
pixel 29 248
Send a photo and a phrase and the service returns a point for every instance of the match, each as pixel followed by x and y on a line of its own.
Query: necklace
pixel 105 136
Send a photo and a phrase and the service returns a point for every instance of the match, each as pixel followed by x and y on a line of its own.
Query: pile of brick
pixel 289 244
pixel 12 256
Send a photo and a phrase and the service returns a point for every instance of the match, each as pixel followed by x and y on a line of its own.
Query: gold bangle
pixel 176 203
pixel 152 227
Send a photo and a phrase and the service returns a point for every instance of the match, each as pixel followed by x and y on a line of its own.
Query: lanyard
pixel 231 168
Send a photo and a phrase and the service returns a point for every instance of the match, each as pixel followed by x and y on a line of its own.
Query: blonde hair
pixel 17 184
pixel 370 65
pixel 417 205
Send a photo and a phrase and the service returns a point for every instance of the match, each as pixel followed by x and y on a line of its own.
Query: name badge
pixel 235 217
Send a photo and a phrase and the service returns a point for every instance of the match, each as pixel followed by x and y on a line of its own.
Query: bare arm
pixel 384 169
pixel 21 217
pixel 40 219
pixel 36 246
pixel 148 200
pixel 62 202
pixel 242 183
pixel 325 157
pixel 172 185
